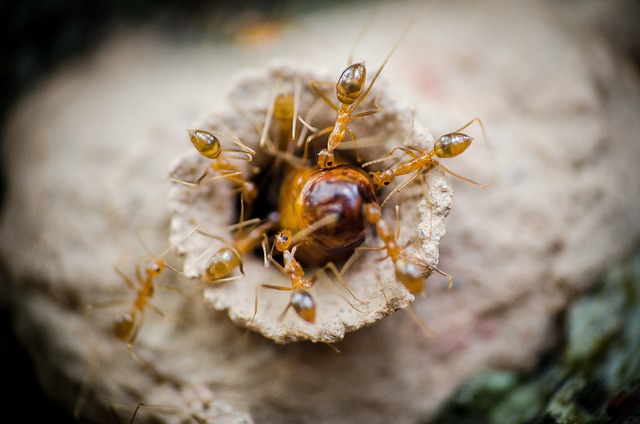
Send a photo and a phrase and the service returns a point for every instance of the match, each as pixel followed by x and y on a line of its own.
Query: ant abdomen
pixel 452 144
pixel 123 326
pixel 206 143
pixel 308 195
pixel 304 305
pixel 222 263
pixel 351 83
pixel 410 275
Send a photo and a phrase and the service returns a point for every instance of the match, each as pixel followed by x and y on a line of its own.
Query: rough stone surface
pixel 87 154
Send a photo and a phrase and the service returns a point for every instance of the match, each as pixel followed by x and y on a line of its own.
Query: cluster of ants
pixel 330 207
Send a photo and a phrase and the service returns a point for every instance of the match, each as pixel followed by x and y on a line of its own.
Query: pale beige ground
pixel 88 153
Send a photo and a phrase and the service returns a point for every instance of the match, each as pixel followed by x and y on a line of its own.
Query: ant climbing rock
pixel 209 146
pixel 422 160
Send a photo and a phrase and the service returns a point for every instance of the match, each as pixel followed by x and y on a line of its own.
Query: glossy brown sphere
pixel 311 194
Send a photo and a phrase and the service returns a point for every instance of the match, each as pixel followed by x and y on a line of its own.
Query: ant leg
pixel 384 293
pixel 264 243
pixel 375 77
pixel 463 178
pixel 197 183
pixel 433 268
pixel 141 404
pixel 337 291
pixel 126 279
pixel 314 86
pixel 444 274
pixel 135 412
pixel 355 145
pixel 428 332
pixel 277 264
pixel 401 187
pixel 165 316
pixel 333 268
pixel 229 228
pixel 312 137
pixel 131 341
pixel 468 124
pixel 397 232
pixel 267 122
pixel 369 112
pixel 243 147
pixel 267 286
pixel 406 149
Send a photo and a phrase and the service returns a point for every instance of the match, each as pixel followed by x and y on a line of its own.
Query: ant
pixel 301 300
pixel 209 146
pixel 283 111
pixel 229 257
pixel 447 146
pixel 407 271
pixel 127 325
pixel 350 93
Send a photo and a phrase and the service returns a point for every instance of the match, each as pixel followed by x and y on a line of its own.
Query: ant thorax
pixel 276 114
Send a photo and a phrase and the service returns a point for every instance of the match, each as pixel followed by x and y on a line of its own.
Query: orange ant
pixel 301 300
pixel 350 93
pixel 229 257
pixel 407 271
pixel 447 146
pixel 278 139
pixel 127 325
pixel 283 111
pixel 209 146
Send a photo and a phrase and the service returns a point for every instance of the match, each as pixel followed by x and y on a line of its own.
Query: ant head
pixel 206 143
pixel 351 83
pixel 326 159
pixel 384 177
pixel 283 240
pixel 154 267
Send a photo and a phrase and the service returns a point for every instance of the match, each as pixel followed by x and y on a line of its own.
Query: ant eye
pixel 329 163
pixel 386 183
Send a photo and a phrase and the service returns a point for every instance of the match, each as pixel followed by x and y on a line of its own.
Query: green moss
pixel 594 377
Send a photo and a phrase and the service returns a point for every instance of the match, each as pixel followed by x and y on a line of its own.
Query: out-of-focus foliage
pixel 593 378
